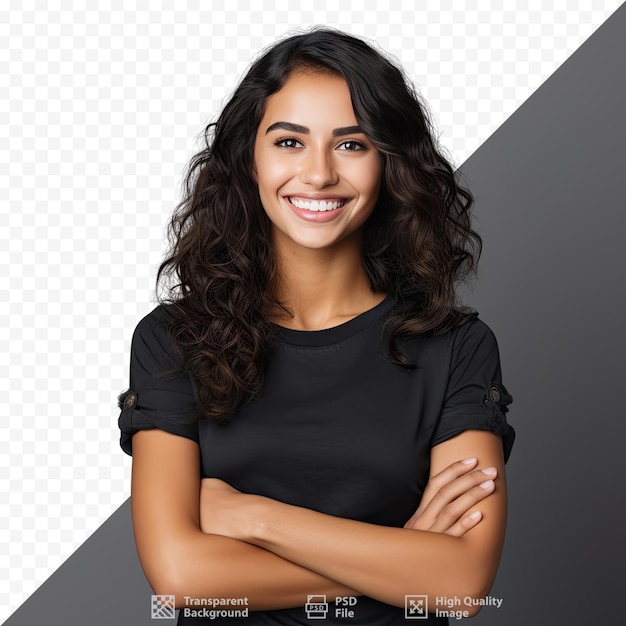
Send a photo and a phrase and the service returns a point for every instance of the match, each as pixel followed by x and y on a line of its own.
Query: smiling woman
pixel 322 417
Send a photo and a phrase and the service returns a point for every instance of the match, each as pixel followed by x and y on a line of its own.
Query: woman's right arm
pixel 179 559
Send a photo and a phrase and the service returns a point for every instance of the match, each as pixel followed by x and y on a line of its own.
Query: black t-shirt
pixel 338 427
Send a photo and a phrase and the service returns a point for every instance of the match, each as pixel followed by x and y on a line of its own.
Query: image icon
pixel 415 607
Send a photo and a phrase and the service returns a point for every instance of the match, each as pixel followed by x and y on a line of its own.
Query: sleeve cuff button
pixel 130 401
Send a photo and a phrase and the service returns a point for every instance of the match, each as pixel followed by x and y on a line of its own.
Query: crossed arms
pixel 203 538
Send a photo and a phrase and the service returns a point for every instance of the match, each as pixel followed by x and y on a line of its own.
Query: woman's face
pixel 318 174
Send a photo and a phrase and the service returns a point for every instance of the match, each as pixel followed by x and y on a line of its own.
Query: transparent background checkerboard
pixel 101 110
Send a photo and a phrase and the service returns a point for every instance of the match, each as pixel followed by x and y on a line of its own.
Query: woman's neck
pixel 322 288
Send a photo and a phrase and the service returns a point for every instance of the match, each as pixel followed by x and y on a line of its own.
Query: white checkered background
pixel 101 110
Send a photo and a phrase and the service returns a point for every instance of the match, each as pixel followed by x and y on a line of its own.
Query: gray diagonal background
pixel 551 209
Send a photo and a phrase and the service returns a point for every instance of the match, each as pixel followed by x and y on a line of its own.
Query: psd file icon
pixel 415 607
pixel 316 607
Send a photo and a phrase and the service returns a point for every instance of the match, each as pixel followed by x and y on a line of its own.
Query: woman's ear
pixel 254 175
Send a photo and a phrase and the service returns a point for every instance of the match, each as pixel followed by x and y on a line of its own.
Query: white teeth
pixel 316 205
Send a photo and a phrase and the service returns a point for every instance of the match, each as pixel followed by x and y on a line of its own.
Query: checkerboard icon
pixel 163 607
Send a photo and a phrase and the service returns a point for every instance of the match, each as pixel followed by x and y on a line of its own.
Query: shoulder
pixel 155 322
pixel 467 336
pixel 461 324
pixel 462 357
pixel 473 352
pixel 472 333
pixel 151 336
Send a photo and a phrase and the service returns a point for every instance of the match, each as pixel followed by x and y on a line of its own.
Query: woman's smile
pixel 320 210
pixel 314 204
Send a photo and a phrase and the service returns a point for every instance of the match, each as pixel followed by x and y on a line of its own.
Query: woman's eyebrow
pixel 297 128
pixel 294 128
pixel 346 130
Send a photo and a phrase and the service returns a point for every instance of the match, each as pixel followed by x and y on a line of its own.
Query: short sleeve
pixel 159 395
pixel 475 397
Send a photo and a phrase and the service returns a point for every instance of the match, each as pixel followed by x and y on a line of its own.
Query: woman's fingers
pixel 451 497
pixel 466 523
pixel 450 491
pixel 446 476
pixel 458 509
pixel 435 483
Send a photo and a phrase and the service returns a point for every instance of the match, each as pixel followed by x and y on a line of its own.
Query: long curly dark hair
pixel 218 274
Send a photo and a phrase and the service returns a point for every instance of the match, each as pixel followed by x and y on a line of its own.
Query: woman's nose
pixel 318 168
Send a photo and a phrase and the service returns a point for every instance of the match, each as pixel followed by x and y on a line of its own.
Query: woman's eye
pixel 352 146
pixel 287 142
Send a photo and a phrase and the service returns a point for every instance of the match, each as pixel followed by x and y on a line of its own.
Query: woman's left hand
pixel 450 499
pixel 223 509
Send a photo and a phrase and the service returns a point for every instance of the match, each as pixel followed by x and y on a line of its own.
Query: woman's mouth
pixel 316 205
pixel 317 210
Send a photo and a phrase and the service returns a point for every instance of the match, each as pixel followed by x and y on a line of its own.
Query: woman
pixel 311 413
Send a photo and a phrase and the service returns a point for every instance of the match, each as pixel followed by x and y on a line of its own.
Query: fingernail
pixel 475 514
pixel 469 461
pixel 490 471
pixel 488 484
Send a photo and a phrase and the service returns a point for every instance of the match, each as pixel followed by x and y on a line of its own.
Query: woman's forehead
pixel 311 100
